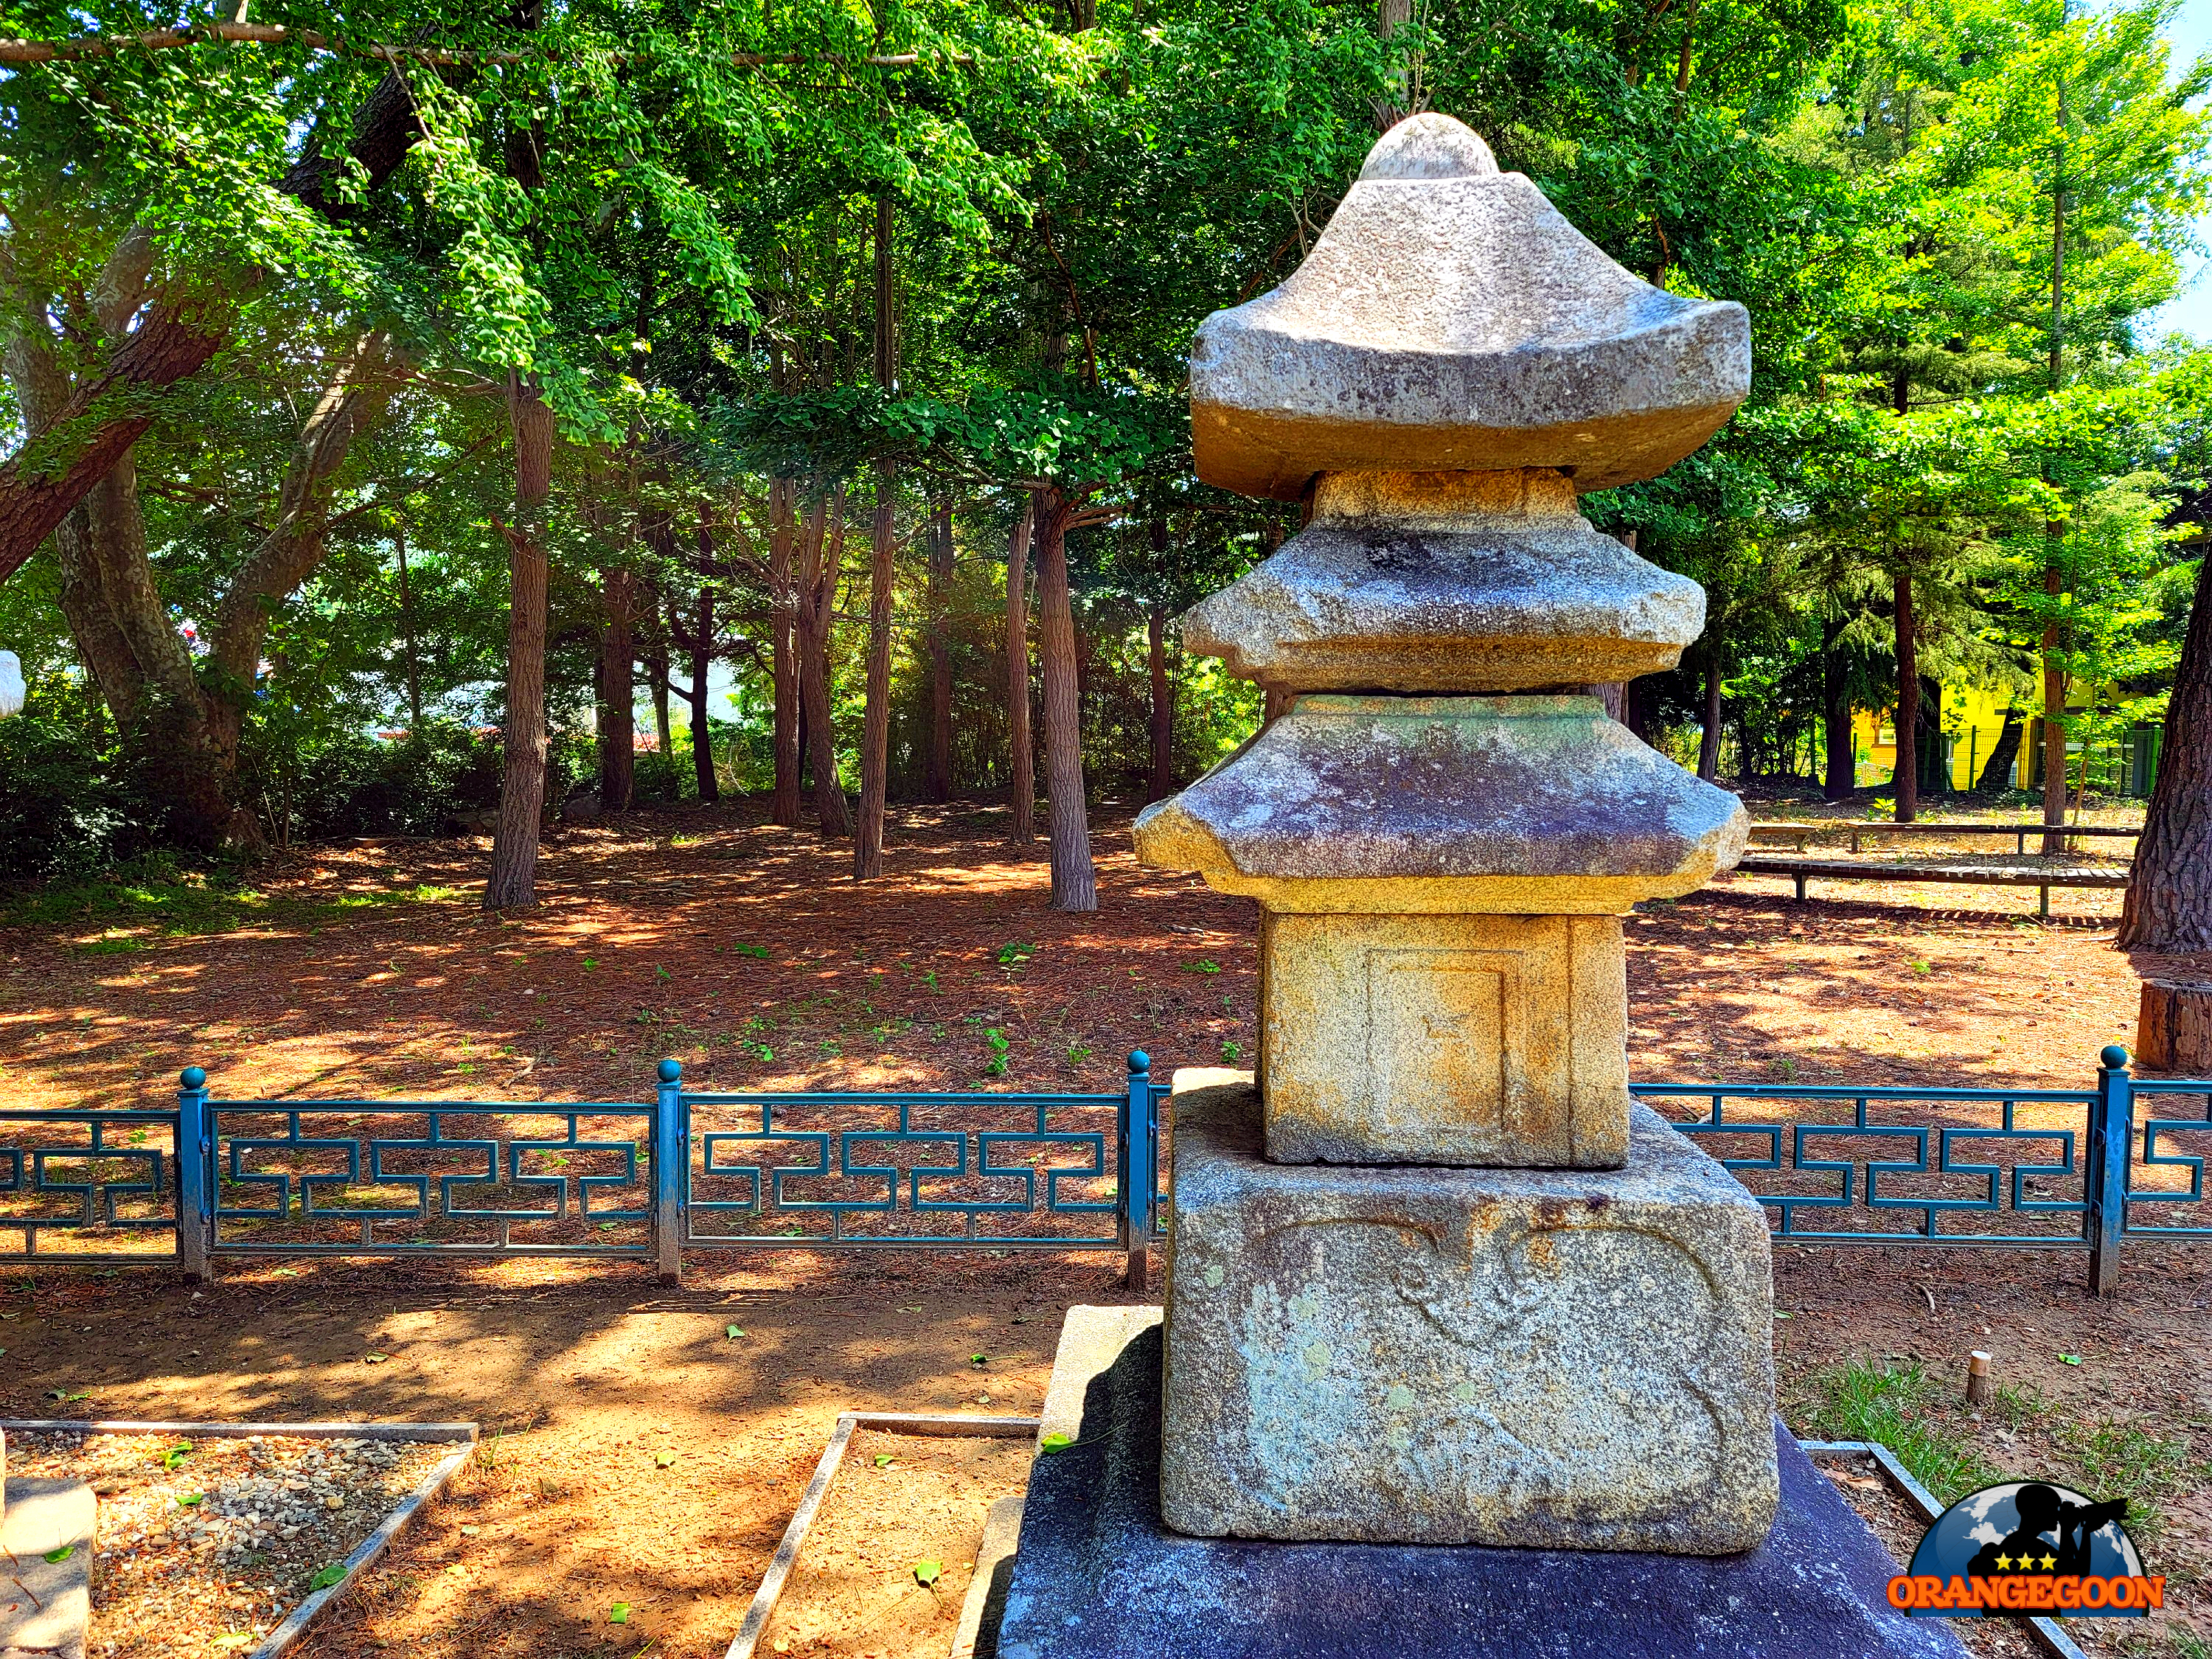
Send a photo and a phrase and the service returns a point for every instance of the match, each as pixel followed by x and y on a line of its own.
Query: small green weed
pixel 2020 1405
pixel 1231 1051
pixel 1203 965
pixel 996 1065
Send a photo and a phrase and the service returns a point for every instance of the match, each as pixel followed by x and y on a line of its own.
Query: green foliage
pixel 61 814
pixel 666 219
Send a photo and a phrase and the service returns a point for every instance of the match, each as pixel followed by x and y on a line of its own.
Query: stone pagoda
pixel 1437 1215
pixel 1434 1281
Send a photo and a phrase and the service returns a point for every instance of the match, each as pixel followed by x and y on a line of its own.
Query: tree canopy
pixel 360 369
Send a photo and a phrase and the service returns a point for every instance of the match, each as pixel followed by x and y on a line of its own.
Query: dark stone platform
pixel 1098 1577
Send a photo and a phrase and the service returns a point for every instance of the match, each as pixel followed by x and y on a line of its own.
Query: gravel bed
pixel 205 1545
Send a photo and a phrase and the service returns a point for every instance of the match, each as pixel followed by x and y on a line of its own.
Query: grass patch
pixel 1898 1407
pixel 2125 1460
pixel 164 900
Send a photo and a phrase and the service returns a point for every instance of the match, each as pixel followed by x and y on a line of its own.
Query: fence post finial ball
pixel 1140 1061
pixel 2114 1058
pixel 194 1077
pixel 671 1070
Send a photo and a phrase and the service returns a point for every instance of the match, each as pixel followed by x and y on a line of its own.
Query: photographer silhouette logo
pixel 2027 1548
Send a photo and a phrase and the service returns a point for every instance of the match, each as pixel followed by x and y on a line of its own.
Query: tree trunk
pixel 1840 770
pixel 1906 779
pixel 1021 745
pixel 703 659
pixel 2054 580
pixel 938 782
pixel 1611 696
pixel 876 702
pixel 617 692
pixel 2054 711
pixel 175 753
pixel 820 556
pixel 1936 774
pixel 664 729
pixel 783 648
pixel 876 715
pixel 100 642
pixel 352 401
pixel 182 721
pixel 1708 741
pixel 512 884
pixel 1998 767
pixel 1074 881
pixel 2169 901
pixel 407 639
pixel 58 467
pixel 2173 1028
pixel 1162 784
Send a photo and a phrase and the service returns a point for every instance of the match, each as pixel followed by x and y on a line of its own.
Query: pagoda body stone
pixel 1442 971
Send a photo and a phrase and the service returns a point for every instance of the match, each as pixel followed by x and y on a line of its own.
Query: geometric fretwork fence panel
pixel 833 1171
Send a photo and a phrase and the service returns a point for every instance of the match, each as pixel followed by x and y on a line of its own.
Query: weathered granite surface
pixel 1469 1040
pixel 1098 1577
pixel 1537 1358
pixel 1399 805
pixel 1451 582
pixel 1449 318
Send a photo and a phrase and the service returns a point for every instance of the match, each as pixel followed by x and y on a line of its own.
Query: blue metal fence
pixel 707 1170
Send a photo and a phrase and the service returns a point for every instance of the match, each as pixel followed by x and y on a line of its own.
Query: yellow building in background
pixel 1973 725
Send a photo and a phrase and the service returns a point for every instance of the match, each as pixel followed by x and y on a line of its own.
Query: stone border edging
pixel 364 1554
pixel 2044 1633
pixel 424 1432
pixel 943 1424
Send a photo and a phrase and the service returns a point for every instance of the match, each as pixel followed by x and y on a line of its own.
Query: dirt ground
pixel 636 1453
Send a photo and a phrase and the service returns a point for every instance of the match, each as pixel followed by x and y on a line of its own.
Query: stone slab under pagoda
pixel 1098 1576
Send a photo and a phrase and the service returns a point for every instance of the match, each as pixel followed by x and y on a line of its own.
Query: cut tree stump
pixel 2173 1032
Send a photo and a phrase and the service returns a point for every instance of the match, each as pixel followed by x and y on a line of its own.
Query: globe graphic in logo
pixel 2031 1528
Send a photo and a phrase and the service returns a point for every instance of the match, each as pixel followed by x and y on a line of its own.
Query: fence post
pixel 2111 1146
pixel 194 1175
pixel 672 1162
pixel 1134 1179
